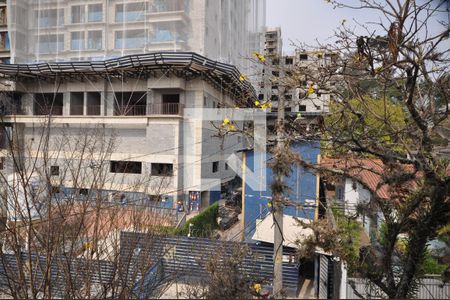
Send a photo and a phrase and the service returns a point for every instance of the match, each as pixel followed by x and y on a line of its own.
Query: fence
pixel 430 287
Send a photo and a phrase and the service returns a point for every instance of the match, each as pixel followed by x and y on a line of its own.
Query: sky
pixel 308 20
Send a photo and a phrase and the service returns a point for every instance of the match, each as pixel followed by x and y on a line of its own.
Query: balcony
pixel 174 109
pixel 166 109
pixel 45 111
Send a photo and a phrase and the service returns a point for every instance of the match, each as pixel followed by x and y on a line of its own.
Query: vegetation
pixel 391 85
pixel 204 223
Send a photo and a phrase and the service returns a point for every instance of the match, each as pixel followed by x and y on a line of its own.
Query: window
pixel 288 97
pixel 289 60
pixel 130 12
pixel 261 97
pixel 162 169
pixel 78 14
pixel 54 171
pixel 215 167
pixel 2 163
pixel 51 43
pixel 302 108
pixel 129 167
pixel 130 39
pixel 163 33
pixel 77 40
pixel 276 73
pixel 95 40
pixel 303 56
pixel 95 12
pixel 226 166
pixel 49 17
pixel 56 190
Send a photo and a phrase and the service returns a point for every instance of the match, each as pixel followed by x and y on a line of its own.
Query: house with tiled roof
pixel 356 182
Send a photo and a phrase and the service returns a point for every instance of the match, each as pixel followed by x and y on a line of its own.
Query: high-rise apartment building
pixel 127 69
pixel 63 30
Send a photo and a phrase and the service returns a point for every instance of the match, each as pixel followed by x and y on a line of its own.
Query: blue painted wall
pixel 302 186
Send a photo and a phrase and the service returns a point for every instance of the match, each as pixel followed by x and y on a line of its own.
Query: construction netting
pixel 71 30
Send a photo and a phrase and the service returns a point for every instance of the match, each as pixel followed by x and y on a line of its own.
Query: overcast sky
pixel 306 20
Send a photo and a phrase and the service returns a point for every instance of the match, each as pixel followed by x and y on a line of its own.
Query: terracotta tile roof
pixel 370 172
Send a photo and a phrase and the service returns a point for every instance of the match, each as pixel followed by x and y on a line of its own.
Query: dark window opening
pixel 288 109
pixel 162 169
pixel 76 103
pixel 93 104
pixel 303 56
pixel 226 166
pixel 128 167
pixel 215 167
pixel 289 61
pixel 261 97
pixel 276 73
pixel 84 192
pixel 130 104
pixel 56 190
pixel 48 104
pixel 288 97
pixel 2 163
pixel 170 104
pixel 274 98
pixel 302 107
pixel 54 170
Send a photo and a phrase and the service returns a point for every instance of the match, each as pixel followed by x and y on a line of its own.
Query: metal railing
pixel 151 109
pixel 175 109
pixel 52 110
pixel 166 109
pixel 130 110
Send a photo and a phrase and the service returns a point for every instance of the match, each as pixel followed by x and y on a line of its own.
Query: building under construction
pixel 126 71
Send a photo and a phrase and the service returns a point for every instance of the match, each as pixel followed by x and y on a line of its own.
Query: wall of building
pixel 149 138
pixel 63 30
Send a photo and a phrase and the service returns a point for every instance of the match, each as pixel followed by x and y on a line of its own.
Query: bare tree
pixel 61 223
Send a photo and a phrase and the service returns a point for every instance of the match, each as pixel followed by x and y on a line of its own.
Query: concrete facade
pixel 144 135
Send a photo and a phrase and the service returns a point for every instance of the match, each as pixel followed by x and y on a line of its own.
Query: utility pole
pixel 277 201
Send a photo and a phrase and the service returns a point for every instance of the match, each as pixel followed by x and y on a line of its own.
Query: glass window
pixel 95 12
pixel 51 43
pixel 95 39
pixel 130 39
pixel 77 40
pixel 163 33
pixel 78 14
pixel 49 17
pixel 130 12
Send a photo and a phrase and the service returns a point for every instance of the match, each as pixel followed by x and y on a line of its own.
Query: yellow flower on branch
pixel 311 90
pixel 242 77
pixel 260 57
pixel 226 121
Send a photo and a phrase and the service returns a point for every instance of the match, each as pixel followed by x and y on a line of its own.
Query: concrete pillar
pixel 150 101
pixel 85 104
pixel 102 103
pixel 109 103
pixel 66 104
pixel 28 104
